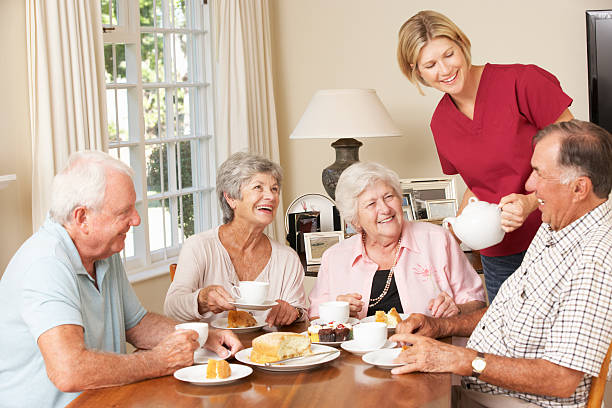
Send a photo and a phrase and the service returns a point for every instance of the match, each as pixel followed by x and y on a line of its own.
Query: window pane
pixel 157 168
pixel 180 19
pixel 182 125
pixel 154 110
pixel 111 111
pixel 114 13
pixel 129 243
pixel 184 158
pixel 122 111
pixel 149 10
pixel 152 54
pixel 108 63
pixel 120 63
pixel 159 224
pixel 186 221
pixel 104 7
pixel 181 62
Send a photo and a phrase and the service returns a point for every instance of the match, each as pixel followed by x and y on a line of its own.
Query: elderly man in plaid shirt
pixel 547 332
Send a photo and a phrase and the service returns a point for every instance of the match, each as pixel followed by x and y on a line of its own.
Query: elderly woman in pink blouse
pixel 416 267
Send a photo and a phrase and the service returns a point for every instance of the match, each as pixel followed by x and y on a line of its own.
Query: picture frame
pixel 316 243
pixel 408 206
pixel 440 209
pixel 421 190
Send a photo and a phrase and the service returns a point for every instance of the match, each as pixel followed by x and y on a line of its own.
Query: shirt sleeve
pixel 581 333
pixel 132 308
pixel 462 278
pixel 50 296
pixel 540 97
pixel 182 298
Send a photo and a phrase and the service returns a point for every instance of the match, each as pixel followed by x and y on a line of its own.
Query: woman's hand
pixel 515 208
pixel 214 299
pixel 443 306
pixel 282 314
pixel 354 301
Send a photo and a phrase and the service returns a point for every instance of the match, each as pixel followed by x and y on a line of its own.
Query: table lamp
pixel 344 114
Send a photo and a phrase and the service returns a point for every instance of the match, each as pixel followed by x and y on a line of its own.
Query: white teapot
pixel 479 225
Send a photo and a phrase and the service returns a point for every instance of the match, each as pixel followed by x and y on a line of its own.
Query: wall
pixel 322 44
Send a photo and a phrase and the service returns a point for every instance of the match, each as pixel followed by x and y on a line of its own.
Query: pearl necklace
pixel 377 300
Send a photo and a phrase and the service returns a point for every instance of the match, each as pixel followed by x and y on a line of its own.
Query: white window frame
pixel 146 263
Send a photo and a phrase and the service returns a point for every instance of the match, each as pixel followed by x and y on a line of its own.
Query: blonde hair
pixel 417 31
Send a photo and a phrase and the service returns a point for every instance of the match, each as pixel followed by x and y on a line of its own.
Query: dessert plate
pixel 197 374
pixel 221 323
pixel 201 356
pixel 403 316
pixel 352 347
pixel 268 304
pixel 383 358
pixel 244 356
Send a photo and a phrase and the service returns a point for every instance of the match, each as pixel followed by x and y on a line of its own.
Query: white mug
pixel 251 292
pixel 200 327
pixel 370 335
pixel 335 311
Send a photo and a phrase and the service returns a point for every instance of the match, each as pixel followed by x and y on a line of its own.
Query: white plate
pixel 383 358
pixel 268 304
pixel 352 347
pixel 372 318
pixel 244 356
pixel 221 323
pixel 313 202
pixel 197 374
pixel 351 320
pixel 202 355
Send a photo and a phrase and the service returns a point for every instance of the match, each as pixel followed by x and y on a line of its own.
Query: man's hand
pixel 176 350
pixel 214 299
pixel 218 339
pixel 354 301
pixel 443 306
pixel 427 355
pixel 282 314
pixel 418 323
pixel 515 208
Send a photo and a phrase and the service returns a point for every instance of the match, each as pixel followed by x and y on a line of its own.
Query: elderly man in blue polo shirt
pixel 67 308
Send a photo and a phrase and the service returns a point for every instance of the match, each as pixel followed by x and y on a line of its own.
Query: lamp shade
pixel 345 113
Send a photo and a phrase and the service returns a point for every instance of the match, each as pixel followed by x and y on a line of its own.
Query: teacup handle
pixel 236 292
pixel 449 220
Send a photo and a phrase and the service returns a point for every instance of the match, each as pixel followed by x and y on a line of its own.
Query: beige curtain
pixel 66 88
pixel 246 115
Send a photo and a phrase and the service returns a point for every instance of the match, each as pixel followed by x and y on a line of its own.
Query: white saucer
pixel 221 323
pixel 202 355
pixel 383 358
pixel 268 304
pixel 352 347
pixel 197 374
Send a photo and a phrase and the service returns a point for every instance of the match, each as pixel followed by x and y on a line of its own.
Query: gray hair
pixel 82 183
pixel 355 180
pixel 237 171
pixel 585 150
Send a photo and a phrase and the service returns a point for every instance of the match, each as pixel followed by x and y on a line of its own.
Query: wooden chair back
pixel 598 385
pixel 172 271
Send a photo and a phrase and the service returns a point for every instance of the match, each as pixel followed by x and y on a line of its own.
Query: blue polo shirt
pixel 46 285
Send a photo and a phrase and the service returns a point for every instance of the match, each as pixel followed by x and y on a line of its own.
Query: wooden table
pixel 344 382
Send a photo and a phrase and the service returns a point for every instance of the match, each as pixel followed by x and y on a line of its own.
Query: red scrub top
pixel 493 151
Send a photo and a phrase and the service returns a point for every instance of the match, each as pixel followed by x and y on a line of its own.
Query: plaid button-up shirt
pixel 557 306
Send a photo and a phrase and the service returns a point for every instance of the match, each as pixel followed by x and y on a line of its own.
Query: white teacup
pixel 370 335
pixel 200 327
pixel 335 311
pixel 251 292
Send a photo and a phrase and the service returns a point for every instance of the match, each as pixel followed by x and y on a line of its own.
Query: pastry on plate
pixel 277 346
pixel 217 369
pixel 240 318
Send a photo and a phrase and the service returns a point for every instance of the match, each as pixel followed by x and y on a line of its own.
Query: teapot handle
pixel 472 200
pixel 449 220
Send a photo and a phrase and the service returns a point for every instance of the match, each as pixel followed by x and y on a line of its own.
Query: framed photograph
pixel 439 209
pixel 421 190
pixel 316 243
pixel 408 214
pixel 408 206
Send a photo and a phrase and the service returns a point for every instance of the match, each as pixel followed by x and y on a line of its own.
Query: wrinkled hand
pixel 218 340
pixel 418 323
pixel 425 355
pixel 514 210
pixel 176 350
pixel 282 314
pixel 443 306
pixel 354 301
pixel 215 299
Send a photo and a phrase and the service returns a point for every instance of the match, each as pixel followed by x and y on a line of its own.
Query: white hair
pixel 355 180
pixel 82 183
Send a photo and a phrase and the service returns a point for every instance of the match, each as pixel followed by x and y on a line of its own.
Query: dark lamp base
pixel 347 153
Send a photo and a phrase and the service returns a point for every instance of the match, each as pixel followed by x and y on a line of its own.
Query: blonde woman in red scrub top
pixel 483 127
